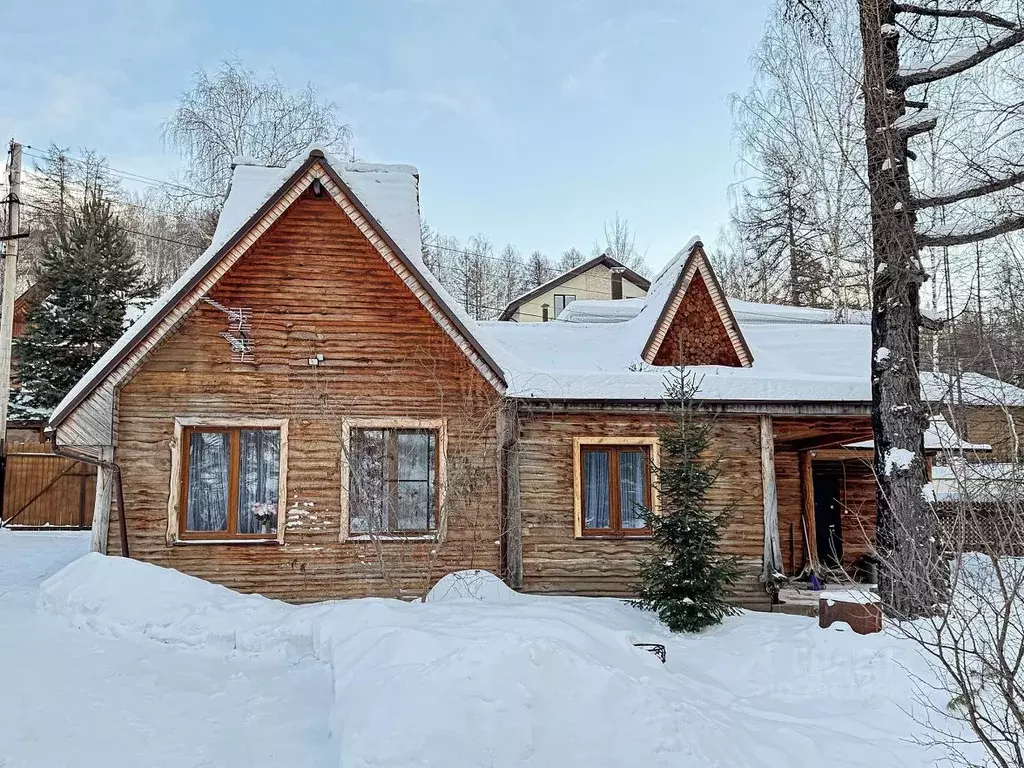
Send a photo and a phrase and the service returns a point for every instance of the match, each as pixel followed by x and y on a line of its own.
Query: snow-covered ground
pixel 71 697
pixel 120 663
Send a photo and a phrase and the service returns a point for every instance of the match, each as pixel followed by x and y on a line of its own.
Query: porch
pixel 824 491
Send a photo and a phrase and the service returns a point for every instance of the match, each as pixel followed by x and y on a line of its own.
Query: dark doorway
pixel 828 520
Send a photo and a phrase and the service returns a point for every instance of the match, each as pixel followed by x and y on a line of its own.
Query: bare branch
pixel 920 122
pixel 966 238
pixel 920 76
pixel 969 193
pixel 955 13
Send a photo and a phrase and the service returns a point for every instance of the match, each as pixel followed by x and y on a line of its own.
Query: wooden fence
pixel 43 490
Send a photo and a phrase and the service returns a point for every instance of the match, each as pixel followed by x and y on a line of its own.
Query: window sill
pixel 233 542
pixel 362 537
pixel 613 537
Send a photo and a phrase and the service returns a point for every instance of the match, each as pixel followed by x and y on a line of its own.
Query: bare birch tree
pixel 234 112
pixel 804 188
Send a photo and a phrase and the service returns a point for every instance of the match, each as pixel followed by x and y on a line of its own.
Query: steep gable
pixel 696 335
pixel 696 326
pixel 314 287
pixel 86 413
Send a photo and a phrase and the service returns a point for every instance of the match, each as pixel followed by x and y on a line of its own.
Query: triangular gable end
pixel 129 353
pixel 697 326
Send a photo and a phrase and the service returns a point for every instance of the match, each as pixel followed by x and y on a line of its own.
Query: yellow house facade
pixel 600 278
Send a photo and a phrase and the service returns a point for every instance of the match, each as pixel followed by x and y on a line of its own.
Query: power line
pixel 116 201
pixel 130 175
pixel 132 231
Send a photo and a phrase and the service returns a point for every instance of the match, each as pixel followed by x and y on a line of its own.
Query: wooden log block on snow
pixel 861 609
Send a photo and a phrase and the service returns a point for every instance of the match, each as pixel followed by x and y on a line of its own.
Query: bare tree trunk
pixel 905 534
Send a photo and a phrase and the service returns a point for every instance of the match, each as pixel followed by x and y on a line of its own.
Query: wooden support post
pixel 810 522
pixel 512 517
pixel 101 506
pixel 772 565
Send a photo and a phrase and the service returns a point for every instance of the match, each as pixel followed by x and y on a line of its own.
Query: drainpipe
pixel 114 469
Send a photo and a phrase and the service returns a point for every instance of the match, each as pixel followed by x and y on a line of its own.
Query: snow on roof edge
pixel 275 178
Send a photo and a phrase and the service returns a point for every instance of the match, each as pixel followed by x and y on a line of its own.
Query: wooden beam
pixel 101 505
pixel 831 440
pixel 809 521
pixel 862 455
pixel 772 564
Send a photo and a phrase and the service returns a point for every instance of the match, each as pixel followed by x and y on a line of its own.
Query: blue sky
pixel 531 121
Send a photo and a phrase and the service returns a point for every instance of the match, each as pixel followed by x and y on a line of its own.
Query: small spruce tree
pixel 91 277
pixel 685 580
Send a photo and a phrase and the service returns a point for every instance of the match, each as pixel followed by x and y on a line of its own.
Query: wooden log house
pixel 307 414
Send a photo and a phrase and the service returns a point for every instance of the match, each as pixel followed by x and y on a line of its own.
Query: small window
pixel 393 481
pixel 616 489
pixel 562 300
pixel 230 482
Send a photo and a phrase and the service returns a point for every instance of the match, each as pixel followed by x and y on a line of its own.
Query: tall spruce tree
pixel 686 578
pixel 91 277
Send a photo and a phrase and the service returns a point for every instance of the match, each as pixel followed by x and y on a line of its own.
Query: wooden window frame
pixel 177 503
pixel 583 445
pixel 440 428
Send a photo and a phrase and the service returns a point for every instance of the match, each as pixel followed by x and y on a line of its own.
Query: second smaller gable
pixel 697 335
pixel 696 325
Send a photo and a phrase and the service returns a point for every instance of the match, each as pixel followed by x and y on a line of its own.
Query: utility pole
pixel 10 284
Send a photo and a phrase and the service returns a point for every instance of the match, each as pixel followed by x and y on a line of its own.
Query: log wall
pixel 697 335
pixel 315 285
pixel 555 561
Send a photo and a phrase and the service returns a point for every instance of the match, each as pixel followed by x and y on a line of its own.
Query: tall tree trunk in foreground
pixel 898 418
pixel 908 542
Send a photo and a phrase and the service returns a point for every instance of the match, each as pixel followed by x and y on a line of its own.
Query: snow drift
pixel 480 675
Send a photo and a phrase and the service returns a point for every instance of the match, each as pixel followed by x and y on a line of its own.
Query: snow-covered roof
pixel 969 388
pixel 601 310
pixel 940 436
pixel 751 312
pixel 595 351
pixel 800 354
pixel 390 194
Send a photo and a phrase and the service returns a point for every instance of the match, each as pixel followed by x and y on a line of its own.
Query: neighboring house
pixel 600 278
pixel 277 427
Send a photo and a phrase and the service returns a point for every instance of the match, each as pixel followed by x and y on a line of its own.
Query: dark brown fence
pixel 42 489
pixel 987 527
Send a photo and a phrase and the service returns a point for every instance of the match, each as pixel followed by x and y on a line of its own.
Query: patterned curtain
pixel 366 481
pixel 208 481
pixel 260 459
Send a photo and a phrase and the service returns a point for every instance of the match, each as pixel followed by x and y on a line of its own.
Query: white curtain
pixel 596 501
pixel 632 474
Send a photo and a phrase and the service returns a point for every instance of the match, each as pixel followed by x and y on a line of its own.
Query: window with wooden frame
pixel 613 486
pixel 230 481
pixel 394 483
